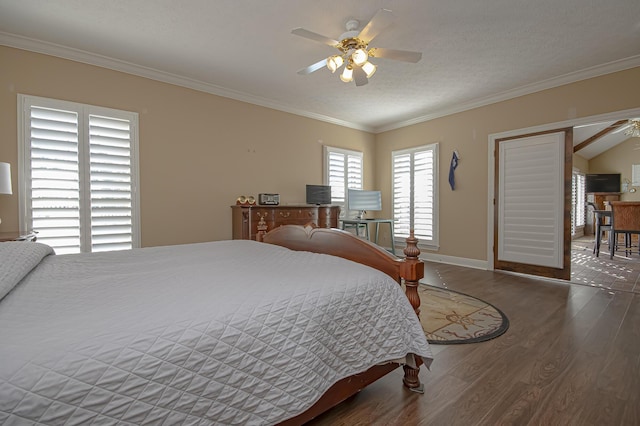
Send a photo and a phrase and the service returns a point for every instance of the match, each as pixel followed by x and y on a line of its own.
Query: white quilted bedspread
pixel 230 332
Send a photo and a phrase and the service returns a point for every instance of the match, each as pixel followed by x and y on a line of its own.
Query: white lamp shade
pixel 5 178
pixel 347 74
pixel 359 57
pixel 334 62
pixel 369 69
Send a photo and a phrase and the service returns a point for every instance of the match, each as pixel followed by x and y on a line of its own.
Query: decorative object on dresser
pixel 243 200
pixel 269 199
pixel 251 221
pixel 5 180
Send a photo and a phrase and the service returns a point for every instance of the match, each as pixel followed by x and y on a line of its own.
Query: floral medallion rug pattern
pixel 449 317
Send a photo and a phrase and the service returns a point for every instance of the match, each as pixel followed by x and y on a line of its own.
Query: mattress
pixel 229 332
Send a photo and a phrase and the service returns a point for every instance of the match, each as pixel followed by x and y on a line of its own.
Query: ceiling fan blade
pixel 313 67
pixel 381 20
pixel 398 55
pixel 359 76
pixel 314 36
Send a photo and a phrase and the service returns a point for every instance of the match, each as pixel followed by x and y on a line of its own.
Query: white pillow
pixel 17 259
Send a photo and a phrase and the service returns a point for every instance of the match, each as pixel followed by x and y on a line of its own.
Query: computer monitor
pixel 364 201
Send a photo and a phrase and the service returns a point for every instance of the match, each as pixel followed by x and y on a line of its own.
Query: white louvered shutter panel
pixel 354 171
pixel 337 177
pixel 110 188
pixel 343 171
pixel 414 174
pixel 402 203
pixel 54 198
pixel 531 200
pixel 423 195
pixel 78 175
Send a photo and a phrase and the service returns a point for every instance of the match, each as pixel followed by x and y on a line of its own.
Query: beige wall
pixel 619 159
pixel 463 212
pixel 198 152
pixel 580 163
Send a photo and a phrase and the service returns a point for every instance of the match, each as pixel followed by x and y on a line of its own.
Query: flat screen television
pixel 318 194
pixel 602 182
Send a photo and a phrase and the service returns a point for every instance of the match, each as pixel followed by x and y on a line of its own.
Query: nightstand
pixel 17 236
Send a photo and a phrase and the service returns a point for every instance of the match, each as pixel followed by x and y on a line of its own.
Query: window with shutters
pixel 343 170
pixel 578 203
pixel 414 174
pixel 78 175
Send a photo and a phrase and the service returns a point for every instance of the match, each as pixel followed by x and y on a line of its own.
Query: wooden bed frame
pixel 346 245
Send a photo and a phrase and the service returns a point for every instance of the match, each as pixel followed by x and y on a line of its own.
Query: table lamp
pixel 5 180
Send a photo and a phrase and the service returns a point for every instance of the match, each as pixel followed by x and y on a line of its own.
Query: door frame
pixel 613 116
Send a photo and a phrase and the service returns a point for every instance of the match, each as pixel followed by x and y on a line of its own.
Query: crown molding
pixel 77 55
pixel 52 49
pixel 596 71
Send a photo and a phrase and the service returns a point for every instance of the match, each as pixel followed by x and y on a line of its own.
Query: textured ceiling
pixel 474 52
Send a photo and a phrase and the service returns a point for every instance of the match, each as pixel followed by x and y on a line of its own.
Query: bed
pixel 227 332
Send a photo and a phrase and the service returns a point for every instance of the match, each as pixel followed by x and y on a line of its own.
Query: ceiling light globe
pixel 359 57
pixel 369 69
pixel 334 62
pixel 347 74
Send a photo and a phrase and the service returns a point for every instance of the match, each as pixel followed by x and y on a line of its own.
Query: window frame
pixel 24 105
pixel 434 242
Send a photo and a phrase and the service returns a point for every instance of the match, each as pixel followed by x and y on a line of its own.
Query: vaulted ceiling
pixel 473 52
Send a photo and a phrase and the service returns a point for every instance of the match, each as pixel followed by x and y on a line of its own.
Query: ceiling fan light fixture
pixel 347 74
pixel 334 62
pixel 369 69
pixel 634 129
pixel 360 56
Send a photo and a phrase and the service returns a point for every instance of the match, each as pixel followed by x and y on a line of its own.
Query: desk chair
pixel 601 226
pixel 625 220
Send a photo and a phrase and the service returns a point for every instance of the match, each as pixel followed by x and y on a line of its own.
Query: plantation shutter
pixel 531 200
pixel 414 193
pixel 402 200
pixel 54 194
pixel 343 171
pixel 579 201
pixel 110 189
pixel 337 177
pixel 78 179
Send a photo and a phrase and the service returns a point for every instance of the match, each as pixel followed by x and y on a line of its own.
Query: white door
pixel 533 181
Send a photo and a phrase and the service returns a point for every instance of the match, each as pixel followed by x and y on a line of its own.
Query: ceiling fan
pixel 355 51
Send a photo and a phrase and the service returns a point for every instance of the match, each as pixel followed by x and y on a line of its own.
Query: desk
pixel 366 222
pixel 600 217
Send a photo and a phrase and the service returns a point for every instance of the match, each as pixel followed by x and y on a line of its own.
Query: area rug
pixel 449 317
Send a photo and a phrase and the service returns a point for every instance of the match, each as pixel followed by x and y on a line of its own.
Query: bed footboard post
pixel 412 270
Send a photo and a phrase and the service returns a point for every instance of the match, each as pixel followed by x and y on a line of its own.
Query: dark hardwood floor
pixel 570 357
pixel 620 273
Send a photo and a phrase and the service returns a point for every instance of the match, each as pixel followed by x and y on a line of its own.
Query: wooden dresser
pixel 246 219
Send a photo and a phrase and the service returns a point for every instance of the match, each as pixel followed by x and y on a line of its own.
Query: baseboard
pixel 458 261
pixel 449 260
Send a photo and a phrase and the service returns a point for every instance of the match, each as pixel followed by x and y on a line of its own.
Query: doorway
pixel 493 225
